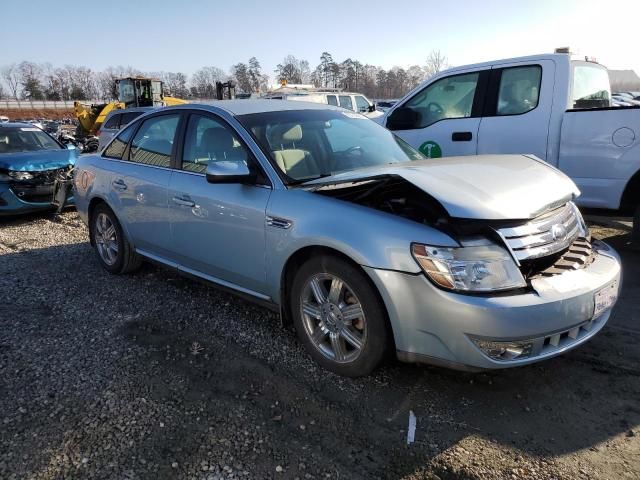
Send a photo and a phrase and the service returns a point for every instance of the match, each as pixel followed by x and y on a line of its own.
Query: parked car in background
pixel 554 106
pixel 4 119
pixel 115 121
pixel 384 105
pixel 356 238
pixel 30 162
pixel 355 102
pixel 625 98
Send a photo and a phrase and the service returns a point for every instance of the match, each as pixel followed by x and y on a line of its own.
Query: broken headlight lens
pixel 20 175
pixel 484 268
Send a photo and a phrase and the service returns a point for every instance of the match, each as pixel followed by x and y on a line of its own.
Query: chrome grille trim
pixel 536 239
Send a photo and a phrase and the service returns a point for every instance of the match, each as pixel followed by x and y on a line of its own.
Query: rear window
pixel 112 123
pixel 117 146
pixel 591 87
pixel 25 139
pixel 129 117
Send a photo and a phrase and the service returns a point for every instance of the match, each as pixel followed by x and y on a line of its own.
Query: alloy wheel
pixel 106 238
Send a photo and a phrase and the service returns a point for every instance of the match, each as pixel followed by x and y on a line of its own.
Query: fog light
pixel 504 351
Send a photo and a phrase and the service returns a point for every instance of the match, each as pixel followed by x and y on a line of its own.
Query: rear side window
pixel 591 87
pixel 112 123
pixel 519 90
pixel 116 148
pixel 332 100
pixel 129 117
pixel 153 141
pixel 209 140
pixel 345 102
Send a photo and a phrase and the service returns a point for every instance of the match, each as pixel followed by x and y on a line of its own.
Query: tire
pixel 351 314
pixel 114 252
pixel 635 233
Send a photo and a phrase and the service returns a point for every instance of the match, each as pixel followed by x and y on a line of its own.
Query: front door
pixel 517 110
pixel 443 118
pixel 217 230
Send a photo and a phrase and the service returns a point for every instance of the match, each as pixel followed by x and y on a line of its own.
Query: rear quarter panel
pixel 600 151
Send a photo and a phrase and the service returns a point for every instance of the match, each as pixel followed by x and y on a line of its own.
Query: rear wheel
pixel 338 316
pixel 113 250
pixel 635 235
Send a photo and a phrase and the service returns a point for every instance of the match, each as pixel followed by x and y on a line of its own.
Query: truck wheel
pixel 338 316
pixel 115 253
pixel 635 234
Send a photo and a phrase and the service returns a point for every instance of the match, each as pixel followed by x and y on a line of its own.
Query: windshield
pixel 591 88
pixel 309 144
pixel 25 139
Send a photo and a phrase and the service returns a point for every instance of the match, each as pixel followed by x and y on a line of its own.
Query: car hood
pixel 490 187
pixel 38 160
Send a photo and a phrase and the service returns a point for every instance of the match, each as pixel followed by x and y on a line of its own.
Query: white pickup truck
pixel 553 106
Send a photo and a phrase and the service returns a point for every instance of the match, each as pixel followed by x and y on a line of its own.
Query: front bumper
pixel 434 326
pixel 12 204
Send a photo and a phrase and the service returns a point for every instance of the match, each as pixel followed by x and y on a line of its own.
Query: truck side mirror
pixel 403 118
pixel 372 107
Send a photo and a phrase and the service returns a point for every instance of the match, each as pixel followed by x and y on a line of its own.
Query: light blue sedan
pixel 355 238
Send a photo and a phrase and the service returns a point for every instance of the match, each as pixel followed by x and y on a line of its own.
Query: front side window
pixel 209 140
pixel 116 148
pixel 332 100
pixel 345 102
pixel 153 142
pixel 112 123
pixel 449 97
pixel 519 90
pixel 591 87
pixel 25 139
pixel 362 104
pixel 308 144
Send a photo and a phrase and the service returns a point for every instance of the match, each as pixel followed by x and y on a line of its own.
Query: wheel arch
pixel 299 257
pixel 93 203
pixel 631 194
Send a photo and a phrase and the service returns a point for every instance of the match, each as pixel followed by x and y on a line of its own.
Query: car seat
pixel 294 161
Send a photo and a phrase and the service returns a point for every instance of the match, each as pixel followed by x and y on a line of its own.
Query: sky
pixel 186 35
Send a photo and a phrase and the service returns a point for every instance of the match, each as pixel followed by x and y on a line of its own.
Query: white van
pixel 349 100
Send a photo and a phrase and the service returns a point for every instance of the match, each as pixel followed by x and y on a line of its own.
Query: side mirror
pixel 372 107
pixel 230 171
pixel 403 118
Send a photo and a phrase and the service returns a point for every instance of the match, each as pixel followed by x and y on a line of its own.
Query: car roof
pixel 119 111
pixel 16 125
pixel 246 107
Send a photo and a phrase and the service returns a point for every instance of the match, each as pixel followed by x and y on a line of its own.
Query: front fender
pixel 369 237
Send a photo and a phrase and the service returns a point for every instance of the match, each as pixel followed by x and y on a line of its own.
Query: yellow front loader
pixel 132 92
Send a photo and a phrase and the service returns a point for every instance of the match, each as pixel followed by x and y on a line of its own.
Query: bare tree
pixel 436 62
pixel 11 75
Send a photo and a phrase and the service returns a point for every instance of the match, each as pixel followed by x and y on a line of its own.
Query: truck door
pixel 443 118
pixel 517 109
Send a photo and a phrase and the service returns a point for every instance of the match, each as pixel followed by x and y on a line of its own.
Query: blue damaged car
pixel 30 163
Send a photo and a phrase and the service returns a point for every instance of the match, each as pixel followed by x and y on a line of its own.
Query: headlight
pixel 483 268
pixel 20 175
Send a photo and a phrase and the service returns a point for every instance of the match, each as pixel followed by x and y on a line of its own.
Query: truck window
pixel 519 90
pixel 449 97
pixel 345 102
pixel 591 88
pixel 362 104
pixel 332 100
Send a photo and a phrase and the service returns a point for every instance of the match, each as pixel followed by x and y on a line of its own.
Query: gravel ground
pixel 155 376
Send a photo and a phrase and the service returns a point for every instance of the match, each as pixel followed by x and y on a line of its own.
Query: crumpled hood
pixel 38 160
pixel 489 187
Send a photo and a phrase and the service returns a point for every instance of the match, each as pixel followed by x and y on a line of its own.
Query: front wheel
pixel 339 317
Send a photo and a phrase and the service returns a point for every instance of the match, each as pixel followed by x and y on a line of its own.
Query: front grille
pixel 545 235
pixel 38 189
pixel 579 255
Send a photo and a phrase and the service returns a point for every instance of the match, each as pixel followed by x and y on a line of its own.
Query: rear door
pixel 517 109
pixel 443 118
pixel 140 182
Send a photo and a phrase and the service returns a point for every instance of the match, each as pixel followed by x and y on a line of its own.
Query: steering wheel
pixel 434 107
pixel 350 150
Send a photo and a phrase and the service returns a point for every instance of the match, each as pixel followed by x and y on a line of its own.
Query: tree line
pixel 42 81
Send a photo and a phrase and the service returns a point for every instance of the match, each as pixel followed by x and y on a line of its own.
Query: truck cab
pixel 554 106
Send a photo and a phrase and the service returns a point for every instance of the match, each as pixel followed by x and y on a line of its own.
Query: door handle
pixel 185 202
pixel 119 184
pixel 461 136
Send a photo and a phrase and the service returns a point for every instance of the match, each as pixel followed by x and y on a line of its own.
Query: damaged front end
pixel 513 253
